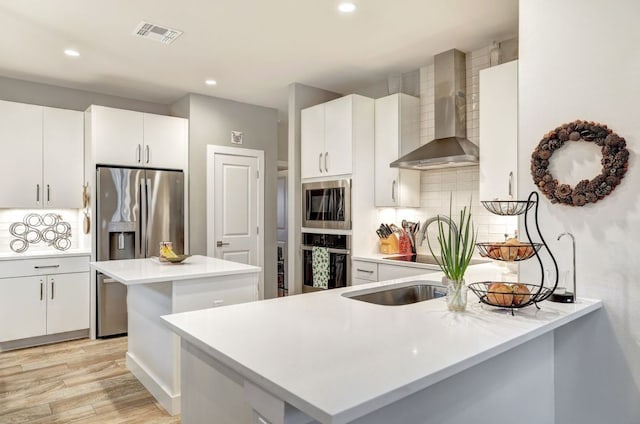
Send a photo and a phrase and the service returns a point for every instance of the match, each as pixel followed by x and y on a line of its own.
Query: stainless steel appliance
pixel 136 210
pixel 339 248
pixel 327 204
pixel 450 146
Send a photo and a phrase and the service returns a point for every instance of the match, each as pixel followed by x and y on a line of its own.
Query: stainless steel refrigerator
pixel 136 210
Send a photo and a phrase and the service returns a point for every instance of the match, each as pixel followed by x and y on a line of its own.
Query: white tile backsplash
pixel 461 185
pixel 72 216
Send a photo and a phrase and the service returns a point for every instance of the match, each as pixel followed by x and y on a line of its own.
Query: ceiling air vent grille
pixel 156 32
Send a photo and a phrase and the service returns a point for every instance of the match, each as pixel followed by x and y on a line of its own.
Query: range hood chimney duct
pixel 450 146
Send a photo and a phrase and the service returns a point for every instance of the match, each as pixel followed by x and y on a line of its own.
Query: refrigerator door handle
pixel 143 217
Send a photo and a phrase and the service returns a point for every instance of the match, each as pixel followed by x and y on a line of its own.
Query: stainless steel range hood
pixel 450 147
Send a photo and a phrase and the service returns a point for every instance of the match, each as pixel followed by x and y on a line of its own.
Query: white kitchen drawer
pixel 365 270
pixel 43 266
pixel 391 272
pixel 360 281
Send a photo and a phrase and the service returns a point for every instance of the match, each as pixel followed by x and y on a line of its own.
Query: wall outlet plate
pixel 236 137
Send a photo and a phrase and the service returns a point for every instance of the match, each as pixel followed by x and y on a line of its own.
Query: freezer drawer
pixel 112 307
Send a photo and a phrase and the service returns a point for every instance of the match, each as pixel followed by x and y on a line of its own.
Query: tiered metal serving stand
pixel 525 294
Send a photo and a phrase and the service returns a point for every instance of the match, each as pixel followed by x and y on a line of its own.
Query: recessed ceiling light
pixel 72 52
pixel 347 7
pixel 211 82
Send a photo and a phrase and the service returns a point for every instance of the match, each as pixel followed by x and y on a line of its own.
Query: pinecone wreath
pixel 615 161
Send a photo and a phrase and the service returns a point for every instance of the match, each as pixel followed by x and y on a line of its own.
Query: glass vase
pixel 456 295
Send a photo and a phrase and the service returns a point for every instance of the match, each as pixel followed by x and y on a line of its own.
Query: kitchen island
pixel 324 357
pixel 155 289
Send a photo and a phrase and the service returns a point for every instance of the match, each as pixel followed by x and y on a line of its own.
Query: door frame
pixel 212 150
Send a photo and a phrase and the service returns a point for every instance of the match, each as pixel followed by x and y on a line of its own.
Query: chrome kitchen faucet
pixel 567 298
pixel 429 221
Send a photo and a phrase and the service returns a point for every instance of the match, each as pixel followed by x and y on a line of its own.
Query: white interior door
pixel 234 205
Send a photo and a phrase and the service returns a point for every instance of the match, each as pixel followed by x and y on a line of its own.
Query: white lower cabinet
pixel 391 272
pixel 46 302
pixel 364 272
pixel 23 308
pixel 360 281
pixel 67 302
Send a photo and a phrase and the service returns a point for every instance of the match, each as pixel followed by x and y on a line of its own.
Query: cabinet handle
pixel 393 190
pixel 511 184
pixel 368 271
pixel 53 288
pixel 139 153
pixel 48 193
pixel 320 162
pixel 146 154
pixel 46 266
pixel 41 290
pixel 221 243
pixel 37 194
pixel 326 155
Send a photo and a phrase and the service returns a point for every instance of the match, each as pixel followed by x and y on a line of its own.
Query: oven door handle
pixel 330 250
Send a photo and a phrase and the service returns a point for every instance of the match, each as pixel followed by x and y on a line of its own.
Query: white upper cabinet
pixel 21 158
pixel 328 131
pixel 117 136
pixel 499 131
pixel 128 138
pixel 338 135
pixel 43 156
pixel 397 132
pixel 165 141
pixel 63 170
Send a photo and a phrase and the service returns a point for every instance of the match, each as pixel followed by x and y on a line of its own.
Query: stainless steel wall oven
pixel 338 268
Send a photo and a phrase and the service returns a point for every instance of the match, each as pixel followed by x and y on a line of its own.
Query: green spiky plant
pixel 455 250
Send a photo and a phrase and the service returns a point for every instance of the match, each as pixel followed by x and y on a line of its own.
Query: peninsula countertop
pixel 149 270
pixel 337 359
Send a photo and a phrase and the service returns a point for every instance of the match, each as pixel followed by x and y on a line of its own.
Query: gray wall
pixel 283 141
pixel 21 91
pixel 211 121
pixel 300 97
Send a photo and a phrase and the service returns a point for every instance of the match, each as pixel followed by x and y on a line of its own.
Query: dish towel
pixel 320 266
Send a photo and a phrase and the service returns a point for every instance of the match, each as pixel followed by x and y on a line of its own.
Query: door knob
pixel 221 243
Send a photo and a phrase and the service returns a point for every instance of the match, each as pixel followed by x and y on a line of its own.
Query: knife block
pixel 389 246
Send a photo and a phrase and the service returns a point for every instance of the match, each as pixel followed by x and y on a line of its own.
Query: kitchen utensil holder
pixel 537 292
pixel 389 246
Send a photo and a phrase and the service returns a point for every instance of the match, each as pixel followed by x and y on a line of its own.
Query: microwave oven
pixel 327 204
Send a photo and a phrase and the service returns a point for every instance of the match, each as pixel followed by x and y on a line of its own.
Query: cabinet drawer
pixel 360 281
pixel 44 266
pixel 365 270
pixel 391 272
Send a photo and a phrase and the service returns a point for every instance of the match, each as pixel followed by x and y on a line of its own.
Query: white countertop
pixel 146 271
pixel 10 256
pixel 338 359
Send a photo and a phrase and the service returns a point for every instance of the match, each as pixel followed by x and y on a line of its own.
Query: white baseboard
pixel 171 403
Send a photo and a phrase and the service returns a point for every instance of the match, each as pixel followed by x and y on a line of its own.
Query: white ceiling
pixel 253 48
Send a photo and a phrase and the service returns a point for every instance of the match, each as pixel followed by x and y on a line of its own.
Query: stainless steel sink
pixel 419 291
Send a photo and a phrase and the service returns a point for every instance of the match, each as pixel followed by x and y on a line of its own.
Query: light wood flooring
pixel 81 381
